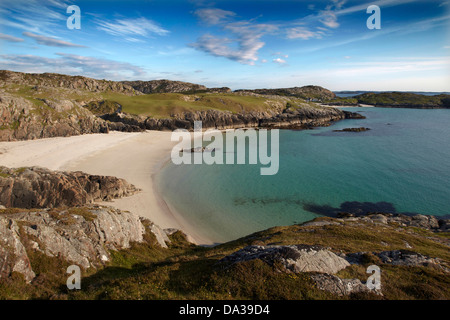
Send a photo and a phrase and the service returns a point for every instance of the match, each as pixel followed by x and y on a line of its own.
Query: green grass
pixel 160 105
pixel 83 212
pixel 157 105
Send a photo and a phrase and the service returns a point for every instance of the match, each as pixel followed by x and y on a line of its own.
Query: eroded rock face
pixel 294 258
pixel 221 120
pixel 82 236
pixel 22 119
pixel 13 256
pixel 65 81
pixel 37 187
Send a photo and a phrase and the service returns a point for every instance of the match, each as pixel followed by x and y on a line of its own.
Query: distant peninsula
pixel 394 100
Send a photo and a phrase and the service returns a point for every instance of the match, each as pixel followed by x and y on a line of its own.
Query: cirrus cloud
pixel 73 65
pixel 9 38
pixel 49 41
pixel 142 27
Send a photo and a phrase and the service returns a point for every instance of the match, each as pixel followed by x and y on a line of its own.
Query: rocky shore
pixel 36 187
pixel 213 119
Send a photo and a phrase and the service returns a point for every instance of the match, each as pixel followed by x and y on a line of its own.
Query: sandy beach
pixel 135 157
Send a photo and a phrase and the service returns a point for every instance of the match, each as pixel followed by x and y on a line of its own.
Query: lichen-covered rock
pixel 37 187
pixel 294 258
pixel 64 81
pixel 82 236
pixel 13 256
pixel 23 119
pixel 306 92
pixel 163 86
pixel 338 286
pixel 407 258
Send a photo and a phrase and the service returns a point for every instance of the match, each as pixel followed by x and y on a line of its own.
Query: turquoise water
pixel 401 165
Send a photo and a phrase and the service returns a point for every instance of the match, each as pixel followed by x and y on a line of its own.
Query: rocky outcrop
pixel 56 80
pixel 22 119
pixel 427 222
pixel 36 187
pixel 287 119
pixel 164 86
pixel 399 258
pixel 295 258
pixel 82 236
pixel 13 256
pixel 313 93
pixel 338 286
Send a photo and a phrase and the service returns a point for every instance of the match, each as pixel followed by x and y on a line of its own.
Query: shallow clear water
pixel 401 165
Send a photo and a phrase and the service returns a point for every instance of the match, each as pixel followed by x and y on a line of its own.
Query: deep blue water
pixel 401 165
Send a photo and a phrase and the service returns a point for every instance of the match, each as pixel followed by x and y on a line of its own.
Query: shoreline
pixel 135 157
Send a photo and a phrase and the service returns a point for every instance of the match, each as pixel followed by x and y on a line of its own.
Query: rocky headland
pixel 35 106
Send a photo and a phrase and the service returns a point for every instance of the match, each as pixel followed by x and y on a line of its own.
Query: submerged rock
pixel 361 129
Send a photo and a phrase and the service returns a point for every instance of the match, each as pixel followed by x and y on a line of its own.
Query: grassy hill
pixel 36 88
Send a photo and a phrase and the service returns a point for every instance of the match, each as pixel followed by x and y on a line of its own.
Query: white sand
pixel 135 157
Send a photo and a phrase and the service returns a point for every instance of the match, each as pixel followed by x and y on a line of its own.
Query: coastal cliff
pixel 301 118
pixel 35 106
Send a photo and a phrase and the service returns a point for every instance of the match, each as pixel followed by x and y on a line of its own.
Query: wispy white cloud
pixel 38 16
pixel 242 46
pixel 131 28
pixel 402 29
pixel 244 41
pixel 213 16
pixel 52 42
pixel 329 19
pixel 74 65
pixel 328 16
pixel 380 3
pixel 279 61
pixel 303 33
pixel 9 38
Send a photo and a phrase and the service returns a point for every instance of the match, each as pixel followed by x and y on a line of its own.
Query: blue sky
pixel 235 43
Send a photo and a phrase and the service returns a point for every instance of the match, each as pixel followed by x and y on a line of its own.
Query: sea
pixel 401 165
